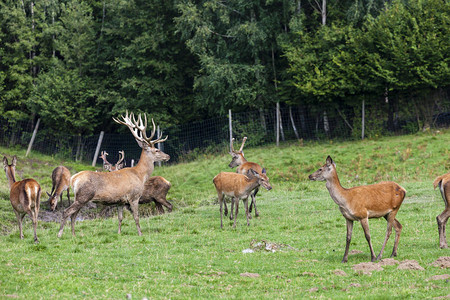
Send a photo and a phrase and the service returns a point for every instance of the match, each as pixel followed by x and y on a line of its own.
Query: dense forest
pixel 76 63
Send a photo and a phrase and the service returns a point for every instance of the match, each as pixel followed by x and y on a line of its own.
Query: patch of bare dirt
pixel 439 277
pixel 339 273
pixel 410 264
pixel 442 262
pixel 367 268
pixel 251 275
pixel 388 262
pixel 313 290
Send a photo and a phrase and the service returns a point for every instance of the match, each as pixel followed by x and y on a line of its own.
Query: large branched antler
pixel 138 128
pixel 119 164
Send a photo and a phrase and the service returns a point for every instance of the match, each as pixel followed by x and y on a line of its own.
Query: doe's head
pixel 325 172
pixel 263 180
pixel 53 201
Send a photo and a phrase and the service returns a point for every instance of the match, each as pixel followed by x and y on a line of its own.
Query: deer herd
pixel 130 186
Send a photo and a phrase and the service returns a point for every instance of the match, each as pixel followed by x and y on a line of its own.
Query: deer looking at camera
pixel 121 187
pixel 156 187
pixel 110 167
pixel 243 166
pixel 24 195
pixel 60 183
pixel 443 182
pixel 238 186
pixel 362 203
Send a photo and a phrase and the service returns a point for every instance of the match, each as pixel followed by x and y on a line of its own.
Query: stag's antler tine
pixel 243 142
pixel 153 131
pixel 121 157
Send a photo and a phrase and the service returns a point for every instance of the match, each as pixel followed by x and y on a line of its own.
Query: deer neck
pixel 10 176
pixel 145 166
pixel 337 192
pixel 252 183
pixel 242 160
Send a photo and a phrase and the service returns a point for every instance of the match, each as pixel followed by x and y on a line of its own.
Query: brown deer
pixel 121 187
pixel 238 186
pixel 362 203
pixel 60 183
pixel 24 195
pixel 156 187
pixel 110 167
pixel 238 160
pixel 444 186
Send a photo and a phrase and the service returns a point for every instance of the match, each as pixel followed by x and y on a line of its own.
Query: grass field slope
pixel 293 250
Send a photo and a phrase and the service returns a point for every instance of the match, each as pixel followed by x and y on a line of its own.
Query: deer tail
pixel 437 181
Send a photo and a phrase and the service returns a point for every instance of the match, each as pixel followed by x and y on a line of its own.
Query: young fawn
pixel 24 196
pixel 362 203
pixel 238 186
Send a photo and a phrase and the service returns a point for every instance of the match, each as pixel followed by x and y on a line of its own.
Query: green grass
pixel 185 254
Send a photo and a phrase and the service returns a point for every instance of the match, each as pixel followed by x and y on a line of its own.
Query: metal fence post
pixel 97 150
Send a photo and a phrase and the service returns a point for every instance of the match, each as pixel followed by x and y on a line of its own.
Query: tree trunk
pixel 293 124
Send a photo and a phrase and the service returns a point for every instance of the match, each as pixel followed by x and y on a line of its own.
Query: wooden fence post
pixel 159 144
pixel 33 136
pixel 97 150
pixel 231 129
pixel 278 124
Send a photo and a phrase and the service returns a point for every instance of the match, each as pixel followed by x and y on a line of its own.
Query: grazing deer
pixel 155 189
pixel 121 187
pixel 238 186
pixel 24 195
pixel 108 166
pixel 444 186
pixel 362 203
pixel 243 166
pixel 60 183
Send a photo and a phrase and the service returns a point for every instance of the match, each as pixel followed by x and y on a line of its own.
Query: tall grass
pixel 185 254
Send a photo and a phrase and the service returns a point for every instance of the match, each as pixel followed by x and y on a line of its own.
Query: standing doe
pixel 237 186
pixel 362 203
pixel 121 187
pixel 24 195
pixel 238 160
pixel 60 183
pixel 444 186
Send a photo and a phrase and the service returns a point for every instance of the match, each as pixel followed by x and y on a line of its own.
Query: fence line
pixel 186 141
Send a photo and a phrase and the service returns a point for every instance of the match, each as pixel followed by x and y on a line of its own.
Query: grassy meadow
pixel 185 254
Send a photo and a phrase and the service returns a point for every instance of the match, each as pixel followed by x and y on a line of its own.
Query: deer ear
pixel 264 171
pixel 5 161
pixel 329 160
pixel 14 161
pixel 48 194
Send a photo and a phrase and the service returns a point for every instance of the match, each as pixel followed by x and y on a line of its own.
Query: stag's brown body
pixel 362 203
pixel 60 183
pixel 237 186
pixel 24 195
pixel 155 190
pixel 443 182
pixel 122 187
pixel 243 166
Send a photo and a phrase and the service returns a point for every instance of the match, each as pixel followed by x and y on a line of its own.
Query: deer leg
pixel 19 221
pixel 221 211
pixel 73 219
pixel 398 230
pixel 246 210
pixel 365 226
pixel 68 196
pixel 232 207
pixel 60 201
pixel 226 208
pixel 68 212
pixel 135 210
pixel 442 222
pixel 120 216
pixel 254 202
pixel 161 201
pixel 33 217
pixel 237 209
pixel 390 222
pixel 159 208
pixel 348 239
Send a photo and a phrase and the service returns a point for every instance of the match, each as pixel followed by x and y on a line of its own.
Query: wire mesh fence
pixel 187 141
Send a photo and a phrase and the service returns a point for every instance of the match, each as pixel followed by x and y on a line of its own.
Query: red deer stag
pixel 243 166
pixel 155 190
pixel 60 183
pixel 362 203
pixel 121 187
pixel 24 195
pixel 444 186
pixel 110 167
pixel 238 186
